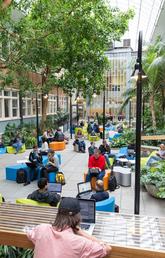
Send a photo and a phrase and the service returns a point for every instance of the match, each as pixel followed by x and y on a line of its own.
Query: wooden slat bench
pixel 152 137
pixel 127 234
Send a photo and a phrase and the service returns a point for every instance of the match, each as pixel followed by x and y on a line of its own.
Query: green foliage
pixel 54 121
pixel 15 252
pixel 127 137
pixel 27 133
pixel 69 35
pixel 155 176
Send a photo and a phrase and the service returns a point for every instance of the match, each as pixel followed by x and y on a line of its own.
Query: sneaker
pixel 27 183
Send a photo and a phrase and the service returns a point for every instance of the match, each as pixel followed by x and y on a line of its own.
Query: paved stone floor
pixel 73 165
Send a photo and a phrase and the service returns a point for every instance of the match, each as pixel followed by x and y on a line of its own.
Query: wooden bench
pixel 152 137
pixel 115 229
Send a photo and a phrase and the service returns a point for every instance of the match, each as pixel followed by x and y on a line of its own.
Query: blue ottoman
pixel 2 150
pixel 107 205
pixel 52 177
pixel 11 171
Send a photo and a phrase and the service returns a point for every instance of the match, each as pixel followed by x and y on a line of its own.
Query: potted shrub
pixel 154 180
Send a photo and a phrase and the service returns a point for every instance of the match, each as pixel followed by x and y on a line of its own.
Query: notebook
pixel 88 215
pixel 55 187
pixel 84 190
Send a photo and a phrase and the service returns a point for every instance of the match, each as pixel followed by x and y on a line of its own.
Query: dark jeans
pixel 98 176
pixel 46 170
pixel 33 171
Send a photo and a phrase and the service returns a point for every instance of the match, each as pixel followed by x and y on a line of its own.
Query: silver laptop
pixel 55 187
pixel 88 215
pixel 84 190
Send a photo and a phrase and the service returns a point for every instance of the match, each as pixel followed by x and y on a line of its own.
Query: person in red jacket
pixel 96 165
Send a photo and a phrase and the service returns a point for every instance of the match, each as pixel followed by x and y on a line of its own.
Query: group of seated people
pixel 35 163
pixel 57 136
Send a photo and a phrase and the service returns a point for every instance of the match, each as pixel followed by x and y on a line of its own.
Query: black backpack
pixel 112 185
pixel 21 176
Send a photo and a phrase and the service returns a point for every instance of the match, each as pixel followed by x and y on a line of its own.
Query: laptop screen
pixel 84 187
pixel 87 210
pixel 55 187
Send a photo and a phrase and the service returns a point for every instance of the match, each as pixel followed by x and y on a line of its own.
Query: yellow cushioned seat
pixel 31 202
pixel 12 150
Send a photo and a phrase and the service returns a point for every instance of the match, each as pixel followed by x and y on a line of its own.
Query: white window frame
pixel 10 97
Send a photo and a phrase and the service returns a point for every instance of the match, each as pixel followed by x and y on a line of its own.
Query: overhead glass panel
pixel 146 16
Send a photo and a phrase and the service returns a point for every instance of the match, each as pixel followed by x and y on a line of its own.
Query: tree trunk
pixel 44 112
pixel 151 100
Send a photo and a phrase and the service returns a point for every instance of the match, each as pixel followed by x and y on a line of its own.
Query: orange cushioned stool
pixel 57 146
pixel 105 180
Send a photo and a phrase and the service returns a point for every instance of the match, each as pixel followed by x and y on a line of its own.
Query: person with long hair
pixel 65 238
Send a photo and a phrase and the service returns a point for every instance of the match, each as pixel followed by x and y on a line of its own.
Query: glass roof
pixel 145 19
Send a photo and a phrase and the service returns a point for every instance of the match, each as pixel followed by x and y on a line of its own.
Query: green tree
pixel 69 36
pixel 153 87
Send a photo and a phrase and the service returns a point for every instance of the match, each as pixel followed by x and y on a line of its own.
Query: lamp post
pixel 71 115
pixel 104 108
pixel 130 113
pixel 37 120
pixel 138 125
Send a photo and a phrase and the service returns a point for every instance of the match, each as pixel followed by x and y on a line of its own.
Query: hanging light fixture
pixel 135 72
pixel 94 94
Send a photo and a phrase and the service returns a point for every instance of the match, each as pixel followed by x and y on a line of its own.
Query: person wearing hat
pixel 65 238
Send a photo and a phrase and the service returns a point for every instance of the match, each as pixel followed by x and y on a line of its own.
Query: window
pixel 15 107
pixel 7 107
pixel 6 93
pixel 0 108
pixel 115 88
pixel 29 107
pixel 14 93
pixel 52 104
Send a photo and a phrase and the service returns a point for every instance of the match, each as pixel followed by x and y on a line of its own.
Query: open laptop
pixel 88 215
pixel 55 187
pixel 84 190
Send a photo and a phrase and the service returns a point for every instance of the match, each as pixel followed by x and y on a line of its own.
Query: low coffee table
pixel 123 175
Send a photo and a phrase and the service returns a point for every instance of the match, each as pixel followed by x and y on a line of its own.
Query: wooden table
pixel 130 236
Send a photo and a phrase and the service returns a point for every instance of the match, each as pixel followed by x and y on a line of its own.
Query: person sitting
pixel 43 195
pixel 1 144
pixel 100 194
pixel 44 147
pixel 160 155
pixel 65 238
pixel 51 166
pixel 35 163
pixel 80 141
pixel 17 143
pixel 96 165
pixel 91 148
pixel 96 128
pixel 106 151
pixel 59 136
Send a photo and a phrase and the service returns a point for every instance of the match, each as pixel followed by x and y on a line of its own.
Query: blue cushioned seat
pixel 2 150
pixel 11 171
pixel 106 205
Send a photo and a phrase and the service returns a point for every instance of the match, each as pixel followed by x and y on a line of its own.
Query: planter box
pixel 152 190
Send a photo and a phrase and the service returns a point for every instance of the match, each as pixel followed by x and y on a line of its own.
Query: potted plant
pixel 154 180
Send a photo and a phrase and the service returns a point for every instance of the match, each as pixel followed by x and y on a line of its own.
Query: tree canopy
pixel 71 35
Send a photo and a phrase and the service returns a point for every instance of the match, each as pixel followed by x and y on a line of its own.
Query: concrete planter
pixel 152 190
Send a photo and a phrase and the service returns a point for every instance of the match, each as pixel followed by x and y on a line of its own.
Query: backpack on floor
pixel 112 184
pixel 60 178
pixel 21 176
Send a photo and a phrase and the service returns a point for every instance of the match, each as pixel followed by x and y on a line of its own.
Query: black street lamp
pixel 138 67
pixel 71 115
pixel 37 120
pixel 104 108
